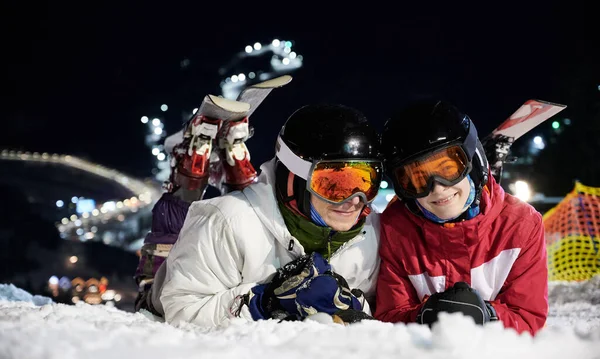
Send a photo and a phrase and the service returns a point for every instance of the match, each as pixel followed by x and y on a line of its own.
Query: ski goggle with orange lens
pixel 448 166
pixel 340 180
pixel 335 181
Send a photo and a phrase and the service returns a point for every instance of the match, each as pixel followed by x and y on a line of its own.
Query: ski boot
pixel 235 156
pixel 192 165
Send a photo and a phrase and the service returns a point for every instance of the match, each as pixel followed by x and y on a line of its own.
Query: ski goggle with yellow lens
pixel 447 166
pixel 335 181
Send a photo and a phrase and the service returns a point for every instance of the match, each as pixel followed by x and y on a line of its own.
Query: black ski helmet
pixel 322 132
pixel 427 126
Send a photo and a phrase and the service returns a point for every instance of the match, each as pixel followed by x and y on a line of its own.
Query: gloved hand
pixel 326 293
pixel 459 298
pixel 277 298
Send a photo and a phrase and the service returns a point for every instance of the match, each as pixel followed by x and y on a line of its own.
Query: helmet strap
pixel 480 171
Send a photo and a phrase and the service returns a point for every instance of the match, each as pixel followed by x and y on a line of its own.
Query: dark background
pixel 78 77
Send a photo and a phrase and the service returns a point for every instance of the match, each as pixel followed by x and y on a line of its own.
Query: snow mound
pixel 576 305
pixel 568 292
pixel 85 331
pixel 11 293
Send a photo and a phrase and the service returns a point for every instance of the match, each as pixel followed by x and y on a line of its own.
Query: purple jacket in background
pixel 168 216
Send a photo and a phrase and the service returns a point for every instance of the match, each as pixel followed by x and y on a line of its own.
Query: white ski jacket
pixel 229 244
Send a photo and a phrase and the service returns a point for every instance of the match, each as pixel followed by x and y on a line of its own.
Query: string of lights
pixel 145 195
pixel 283 60
pixel 154 137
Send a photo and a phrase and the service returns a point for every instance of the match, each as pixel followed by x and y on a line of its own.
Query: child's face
pixel 447 202
pixel 340 217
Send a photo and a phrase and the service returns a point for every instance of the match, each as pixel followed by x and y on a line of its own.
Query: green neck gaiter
pixel 316 238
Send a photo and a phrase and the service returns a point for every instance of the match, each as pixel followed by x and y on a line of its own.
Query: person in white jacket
pixel 298 242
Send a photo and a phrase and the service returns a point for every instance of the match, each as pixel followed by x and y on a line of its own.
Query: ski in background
pixel 498 143
pixel 256 94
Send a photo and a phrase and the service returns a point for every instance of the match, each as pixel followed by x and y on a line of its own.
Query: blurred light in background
pixel 538 142
pixel 522 191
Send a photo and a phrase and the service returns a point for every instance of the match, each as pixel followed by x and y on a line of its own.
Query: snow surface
pixel 12 293
pixel 575 305
pixel 54 330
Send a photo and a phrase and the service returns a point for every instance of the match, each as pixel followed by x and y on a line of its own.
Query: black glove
pixel 459 298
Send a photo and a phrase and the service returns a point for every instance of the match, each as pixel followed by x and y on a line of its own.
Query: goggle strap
pixel 290 185
pixel 295 164
pixel 290 201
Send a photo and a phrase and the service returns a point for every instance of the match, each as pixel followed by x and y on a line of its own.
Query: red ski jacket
pixel 501 253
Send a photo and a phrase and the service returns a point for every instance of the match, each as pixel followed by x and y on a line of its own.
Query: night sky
pixel 78 79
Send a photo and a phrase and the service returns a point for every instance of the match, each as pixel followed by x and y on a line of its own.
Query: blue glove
pixel 277 298
pixel 327 293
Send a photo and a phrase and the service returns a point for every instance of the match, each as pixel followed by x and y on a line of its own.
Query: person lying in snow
pixel 454 241
pixel 300 241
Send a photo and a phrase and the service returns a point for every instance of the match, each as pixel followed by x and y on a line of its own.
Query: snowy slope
pixel 84 331
pixel 575 305
pixel 12 293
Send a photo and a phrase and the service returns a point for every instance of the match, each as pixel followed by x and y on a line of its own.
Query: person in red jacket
pixel 454 241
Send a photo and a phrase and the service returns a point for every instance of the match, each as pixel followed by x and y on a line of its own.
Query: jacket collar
pixel 261 196
pixel 315 238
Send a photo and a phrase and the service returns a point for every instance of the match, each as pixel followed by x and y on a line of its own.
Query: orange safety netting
pixel 573 235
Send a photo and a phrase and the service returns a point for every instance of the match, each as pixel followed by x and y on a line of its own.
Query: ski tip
pixel 532 101
pixel 230 105
pixel 274 83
